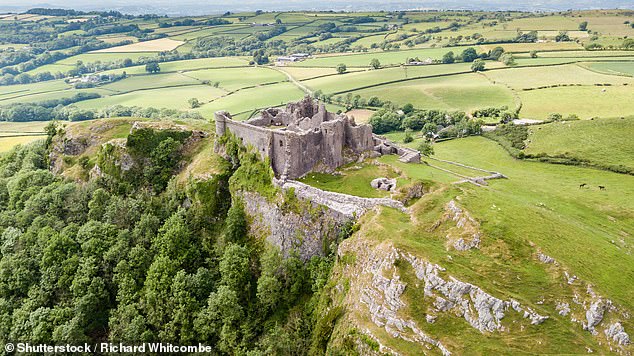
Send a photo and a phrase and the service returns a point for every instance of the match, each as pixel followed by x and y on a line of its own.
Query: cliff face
pixel 298 225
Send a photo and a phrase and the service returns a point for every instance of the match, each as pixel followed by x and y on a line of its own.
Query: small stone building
pixel 301 138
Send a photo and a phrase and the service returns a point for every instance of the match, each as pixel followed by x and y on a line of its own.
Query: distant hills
pixel 190 7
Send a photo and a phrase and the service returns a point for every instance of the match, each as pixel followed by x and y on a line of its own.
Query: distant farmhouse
pixel 305 137
pixel 295 57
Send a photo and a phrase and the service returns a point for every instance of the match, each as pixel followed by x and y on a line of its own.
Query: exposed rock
pixel 305 231
pixel 480 309
pixel 430 318
pixel 466 235
pixel 594 314
pixel 383 300
pixel 617 333
pixel 383 184
pixel 535 318
pixel 545 258
pixel 563 308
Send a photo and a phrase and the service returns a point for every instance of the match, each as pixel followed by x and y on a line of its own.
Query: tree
pixel 448 58
pixel 152 67
pixel 562 37
pixel 127 62
pixel 193 103
pixel 426 149
pixel 469 55
pixel 496 53
pixel 477 65
pixel 408 108
pixel 375 64
pixel 533 54
pixel 341 68
pixel 408 136
pixel 508 59
pixel 583 26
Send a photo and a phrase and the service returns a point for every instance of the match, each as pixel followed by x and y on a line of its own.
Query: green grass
pixel 352 179
pixel 542 203
pixel 459 92
pixel 232 79
pixel 172 98
pixel 619 68
pixel 523 78
pixel 604 141
pixel 359 79
pixel 244 101
pixel 585 101
pixel 186 65
pixel 386 58
pixel 150 82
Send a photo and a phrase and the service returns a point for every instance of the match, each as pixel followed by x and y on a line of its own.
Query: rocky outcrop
pixel 383 183
pixel 594 314
pixel 465 235
pixel 305 230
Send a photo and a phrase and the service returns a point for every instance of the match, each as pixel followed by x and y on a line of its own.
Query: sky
pixel 193 7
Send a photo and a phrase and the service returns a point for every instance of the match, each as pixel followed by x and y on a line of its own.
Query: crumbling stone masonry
pixel 303 137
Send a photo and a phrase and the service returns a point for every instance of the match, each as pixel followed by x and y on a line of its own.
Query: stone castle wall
pixel 301 138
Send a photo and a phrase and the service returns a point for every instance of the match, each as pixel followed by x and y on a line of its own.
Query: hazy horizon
pixel 190 7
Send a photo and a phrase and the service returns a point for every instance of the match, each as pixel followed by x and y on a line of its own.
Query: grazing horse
pixel 582 185
pixel 601 187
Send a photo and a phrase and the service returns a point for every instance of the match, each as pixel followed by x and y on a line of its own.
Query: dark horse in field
pixel 582 185
pixel 601 187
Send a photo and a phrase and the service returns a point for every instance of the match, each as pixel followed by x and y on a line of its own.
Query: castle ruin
pixel 305 137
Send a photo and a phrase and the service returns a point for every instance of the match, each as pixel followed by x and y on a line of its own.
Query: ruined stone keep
pixel 301 138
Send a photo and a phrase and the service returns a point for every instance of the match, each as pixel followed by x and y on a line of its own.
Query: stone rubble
pixel 617 333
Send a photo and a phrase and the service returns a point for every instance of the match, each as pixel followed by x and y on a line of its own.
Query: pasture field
pixel 360 115
pixel 158 45
pixel 20 133
pixel 584 101
pixel 609 25
pixel 247 100
pixel 541 204
pixel 360 79
pixel 463 92
pixel 7 143
pixel 185 65
pixel 386 58
pixel 304 73
pixel 51 95
pixel 567 74
pixel 104 57
pixel 618 68
pixel 172 98
pixel 601 141
pixel 8 128
pixel 527 47
pixel 543 23
pixel 236 78
pixel 17 90
pixel 588 54
pixel 153 81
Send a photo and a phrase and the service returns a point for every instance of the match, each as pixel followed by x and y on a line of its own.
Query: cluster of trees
pixel 63 110
pixel 430 123
pixel 56 109
pixel 87 263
